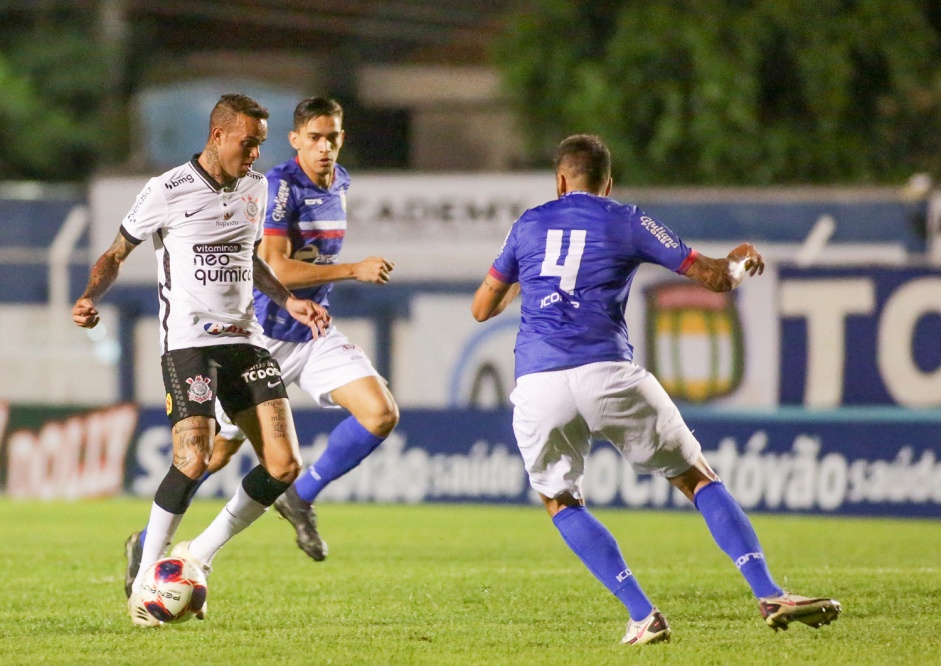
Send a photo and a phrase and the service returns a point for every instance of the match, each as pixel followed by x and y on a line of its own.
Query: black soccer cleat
pixel 303 517
pixel 133 551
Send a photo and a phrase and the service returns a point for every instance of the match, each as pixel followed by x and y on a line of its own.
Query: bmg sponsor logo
pixel 213 263
pixel 187 178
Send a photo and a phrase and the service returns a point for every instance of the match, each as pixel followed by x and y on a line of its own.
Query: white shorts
pixel 318 366
pixel 557 413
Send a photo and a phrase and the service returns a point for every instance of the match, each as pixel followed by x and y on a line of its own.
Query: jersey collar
pixel 208 179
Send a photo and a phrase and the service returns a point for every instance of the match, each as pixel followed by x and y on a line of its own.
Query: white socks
pixel 240 512
pixel 160 530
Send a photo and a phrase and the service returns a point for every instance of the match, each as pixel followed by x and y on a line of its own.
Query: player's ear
pixel 607 188
pixel 215 134
pixel 293 139
pixel 561 186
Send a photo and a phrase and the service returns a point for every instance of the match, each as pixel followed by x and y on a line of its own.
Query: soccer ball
pixel 173 589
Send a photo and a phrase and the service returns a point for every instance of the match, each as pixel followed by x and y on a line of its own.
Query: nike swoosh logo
pixel 273 384
pixel 193 213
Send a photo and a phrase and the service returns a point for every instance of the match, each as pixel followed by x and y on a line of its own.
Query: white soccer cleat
pixel 138 612
pixel 780 611
pixel 182 550
pixel 652 629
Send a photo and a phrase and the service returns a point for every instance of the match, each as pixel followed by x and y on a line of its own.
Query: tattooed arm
pixel 103 275
pixel 726 274
pixel 492 297
pixel 305 311
pixel 268 283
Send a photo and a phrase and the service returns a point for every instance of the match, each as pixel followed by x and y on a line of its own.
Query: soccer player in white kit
pixel 206 219
pixel 304 229
pixel 572 260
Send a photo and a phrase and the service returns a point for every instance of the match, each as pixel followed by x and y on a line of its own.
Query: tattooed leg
pixel 191 445
pixel 270 428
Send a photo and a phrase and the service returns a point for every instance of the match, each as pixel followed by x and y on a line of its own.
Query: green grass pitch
pixel 438 584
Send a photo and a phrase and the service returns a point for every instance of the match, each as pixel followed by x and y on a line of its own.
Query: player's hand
pixel 310 314
pixel 748 258
pixel 84 313
pixel 374 270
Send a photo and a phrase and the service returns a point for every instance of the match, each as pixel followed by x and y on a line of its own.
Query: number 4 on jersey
pixel 568 271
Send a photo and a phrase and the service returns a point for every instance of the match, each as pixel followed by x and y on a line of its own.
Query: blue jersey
pixel 314 220
pixel 575 258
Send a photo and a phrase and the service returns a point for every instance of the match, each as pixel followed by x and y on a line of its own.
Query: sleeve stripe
pixel 690 258
pixel 271 231
pixel 311 225
pixel 494 273
pixel 129 238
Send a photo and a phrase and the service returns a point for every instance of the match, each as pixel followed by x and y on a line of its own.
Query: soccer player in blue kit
pixel 304 227
pixel 573 260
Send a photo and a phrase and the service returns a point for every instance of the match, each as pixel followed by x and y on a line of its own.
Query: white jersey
pixel 204 237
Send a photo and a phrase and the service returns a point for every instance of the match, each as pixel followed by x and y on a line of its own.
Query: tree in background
pixel 733 91
pixel 52 90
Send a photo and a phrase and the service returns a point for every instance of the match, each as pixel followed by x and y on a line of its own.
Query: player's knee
pixel 222 451
pixel 193 466
pixel 286 470
pixel 387 421
pixel 382 422
pixel 217 462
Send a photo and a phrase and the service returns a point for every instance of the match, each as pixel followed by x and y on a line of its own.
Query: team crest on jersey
pixel 199 389
pixel 694 341
pixel 169 404
pixel 252 210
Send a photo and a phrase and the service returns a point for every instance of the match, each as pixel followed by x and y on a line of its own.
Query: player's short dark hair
pixel 314 107
pixel 232 105
pixel 585 155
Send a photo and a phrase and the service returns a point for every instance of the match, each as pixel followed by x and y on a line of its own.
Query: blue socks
pixel 348 445
pixel 733 532
pixel 597 549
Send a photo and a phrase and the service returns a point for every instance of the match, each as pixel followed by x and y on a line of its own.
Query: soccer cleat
pixel 133 552
pixel 652 629
pixel 302 516
pixel 182 550
pixel 780 611
pixel 138 612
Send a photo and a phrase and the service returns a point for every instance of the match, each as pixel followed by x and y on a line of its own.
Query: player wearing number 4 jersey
pixel 572 261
